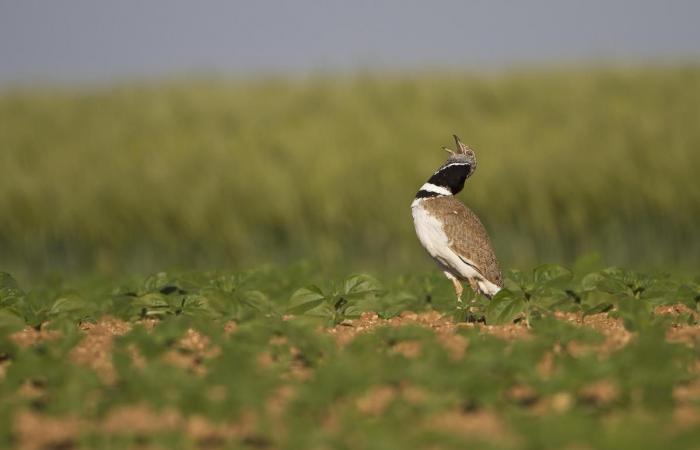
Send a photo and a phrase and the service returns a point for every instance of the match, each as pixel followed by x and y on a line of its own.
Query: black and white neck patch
pixel 429 190
pixel 427 194
pixel 451 176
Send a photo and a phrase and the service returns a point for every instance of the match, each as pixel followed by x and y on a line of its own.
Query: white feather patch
pixel 430 187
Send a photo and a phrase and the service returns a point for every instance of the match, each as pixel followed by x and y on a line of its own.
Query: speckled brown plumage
pixel 467 235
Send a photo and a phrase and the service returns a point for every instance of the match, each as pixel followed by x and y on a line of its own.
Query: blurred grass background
pixel 220 173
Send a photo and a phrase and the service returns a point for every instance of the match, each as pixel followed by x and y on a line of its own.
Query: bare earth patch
pixel 484 426
pixel 140 419
pixel 34 431
pixel 685 328
pixel 600 393
pixel 684 334
pixel 616 335
pixel 95 349
pixel 29 336
pixel 37 432
pixel 443 326
pixel 369 321
pixel 376 400
pixel 675 310
pixel 191 351
pixel 296 368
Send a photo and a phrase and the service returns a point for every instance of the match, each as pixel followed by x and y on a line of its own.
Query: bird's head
pixel 463 155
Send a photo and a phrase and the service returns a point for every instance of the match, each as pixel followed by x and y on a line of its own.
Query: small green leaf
pixel 68 305
pixel 258 301
pixel 590 281
pixel 511 285
pixel 612 286
pixel 305 299
pixel 151 305
pixel 504 307
pixel 360 285
pixel 195 305
pixel 552 275
pixel 156 282
pixel 512 309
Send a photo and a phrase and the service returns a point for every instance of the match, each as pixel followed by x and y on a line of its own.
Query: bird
pixel 450 232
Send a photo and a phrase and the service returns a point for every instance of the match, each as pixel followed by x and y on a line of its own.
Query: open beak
pixel 461 148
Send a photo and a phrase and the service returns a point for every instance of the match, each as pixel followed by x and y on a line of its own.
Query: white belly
pixel 432 236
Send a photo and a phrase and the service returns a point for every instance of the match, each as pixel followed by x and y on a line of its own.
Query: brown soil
pixel 686 416
pixel 681 331
pixel 558 403
pixel 191 351
pixel 675 310
pixel 30 336
pixel 688 392
pixel 408 349
pixel 194 348
pixel 297 367
pixel 599 394
pixel 522 395
pixel 508 332
pixel 480 426
pixel 443 326
pixel 455 345
pixel 35 431
pixel 684 334
pixel 139 419
pixel 616 335
pixel 278 401
pixel 230 327
pixel 376 400
pixel 349 329
pixel 95 349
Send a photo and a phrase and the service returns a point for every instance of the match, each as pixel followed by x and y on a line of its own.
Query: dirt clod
pixel 191 351
pixel 29 336
pixel 375 401
pixel 95 349
pixel 39 432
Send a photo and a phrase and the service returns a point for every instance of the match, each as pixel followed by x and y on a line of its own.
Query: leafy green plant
pixel 545 290
pixel 357 293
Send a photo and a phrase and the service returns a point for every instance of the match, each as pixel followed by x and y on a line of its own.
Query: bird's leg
pixel 458 289
pixel 457 285
pixel 474 284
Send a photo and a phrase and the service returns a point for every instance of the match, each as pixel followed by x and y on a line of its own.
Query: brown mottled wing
pixel 468 237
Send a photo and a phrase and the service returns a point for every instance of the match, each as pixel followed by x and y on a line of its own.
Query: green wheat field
pixel 214 264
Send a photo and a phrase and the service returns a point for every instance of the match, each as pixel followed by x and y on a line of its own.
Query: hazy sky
pixel 96 40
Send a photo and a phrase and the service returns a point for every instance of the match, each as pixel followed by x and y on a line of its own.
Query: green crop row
pixel 228 174
pixel 296 290
pixel 241 360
